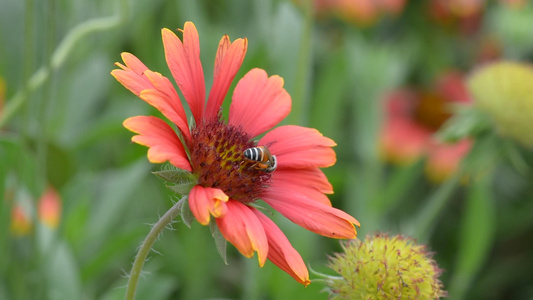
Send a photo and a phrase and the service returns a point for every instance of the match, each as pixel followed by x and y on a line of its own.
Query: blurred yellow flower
pixel 504 90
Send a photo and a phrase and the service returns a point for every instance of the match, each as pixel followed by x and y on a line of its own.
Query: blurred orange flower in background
pixel 49 210
pixel 413 116
pixel 23 210
pixel 21 223
pixel 358 12
pixel 465 15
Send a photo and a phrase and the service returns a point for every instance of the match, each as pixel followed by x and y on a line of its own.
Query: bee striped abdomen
pixel 255 154
pixel 261 155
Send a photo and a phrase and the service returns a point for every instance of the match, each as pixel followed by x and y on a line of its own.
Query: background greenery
pixel 61 124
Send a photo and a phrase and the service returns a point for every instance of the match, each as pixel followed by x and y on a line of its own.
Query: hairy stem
pixel 146 246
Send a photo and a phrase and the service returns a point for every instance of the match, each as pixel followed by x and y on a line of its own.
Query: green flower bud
pixel 384 267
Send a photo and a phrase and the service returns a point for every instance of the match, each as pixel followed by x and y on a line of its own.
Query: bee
pixel 263 158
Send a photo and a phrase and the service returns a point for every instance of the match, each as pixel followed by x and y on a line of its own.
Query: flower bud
pixel 383 267
pixel 21 223
pixel 50 208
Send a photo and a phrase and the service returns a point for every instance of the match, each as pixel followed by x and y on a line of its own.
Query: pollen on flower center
pixel 216 151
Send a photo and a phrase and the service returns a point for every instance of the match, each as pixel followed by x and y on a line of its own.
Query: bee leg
pixel 274 164
pixel 253 166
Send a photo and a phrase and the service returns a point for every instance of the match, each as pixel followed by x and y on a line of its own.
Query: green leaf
pixel 476 236
pixel 115 189
pixel 62 273
pixel 325 114
pixel 484 155
pixel 155 286
pixel 220 241
pixel 111 254
pixel 400 181
pixel 60 167
pixel 424 223
pixel 466 122
pixel 19 161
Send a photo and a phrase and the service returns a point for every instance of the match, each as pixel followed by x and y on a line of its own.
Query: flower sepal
pixel 187 217
pixel 182 188
pixel 185 212
pixel 182 180
pixel 220 241
pixel 175 175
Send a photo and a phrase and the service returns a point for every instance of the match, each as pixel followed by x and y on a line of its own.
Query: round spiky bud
pixel 383 267
pixel 504 90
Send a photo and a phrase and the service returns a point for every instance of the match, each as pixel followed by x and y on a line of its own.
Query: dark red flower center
pixel 431 110
pixel 217 159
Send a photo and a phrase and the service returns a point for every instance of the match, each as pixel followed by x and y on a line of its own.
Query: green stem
pixel 430 213
pixel 303 69
pixel 146 246
pixel 59 56
pixel 400 181
pixel 29 58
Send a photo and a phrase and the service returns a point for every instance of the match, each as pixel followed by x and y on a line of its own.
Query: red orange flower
pixel 358 12
pixel 212 149
pixel 50 208
pixel 21 223
pixel 463 15
pixel 412 117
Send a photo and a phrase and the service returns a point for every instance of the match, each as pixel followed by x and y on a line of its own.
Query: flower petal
pixel 133 63
pixel 281 252
pixel 400 103
pixel 444 159
pixel 204 201
pixel 136 77
pixel 259 102
pixel 299 147
pixel 49 209
pixel 163 142
pixel 403 141
pixel 452 87
pixel 309 183
pixel 242 228
pixel 132 74
pixel 312 215
pixel 183 59
pixel 227 62
pixel 21 221
pixel 168 103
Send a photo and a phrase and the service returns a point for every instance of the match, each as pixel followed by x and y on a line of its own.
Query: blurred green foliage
pixel 61 126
